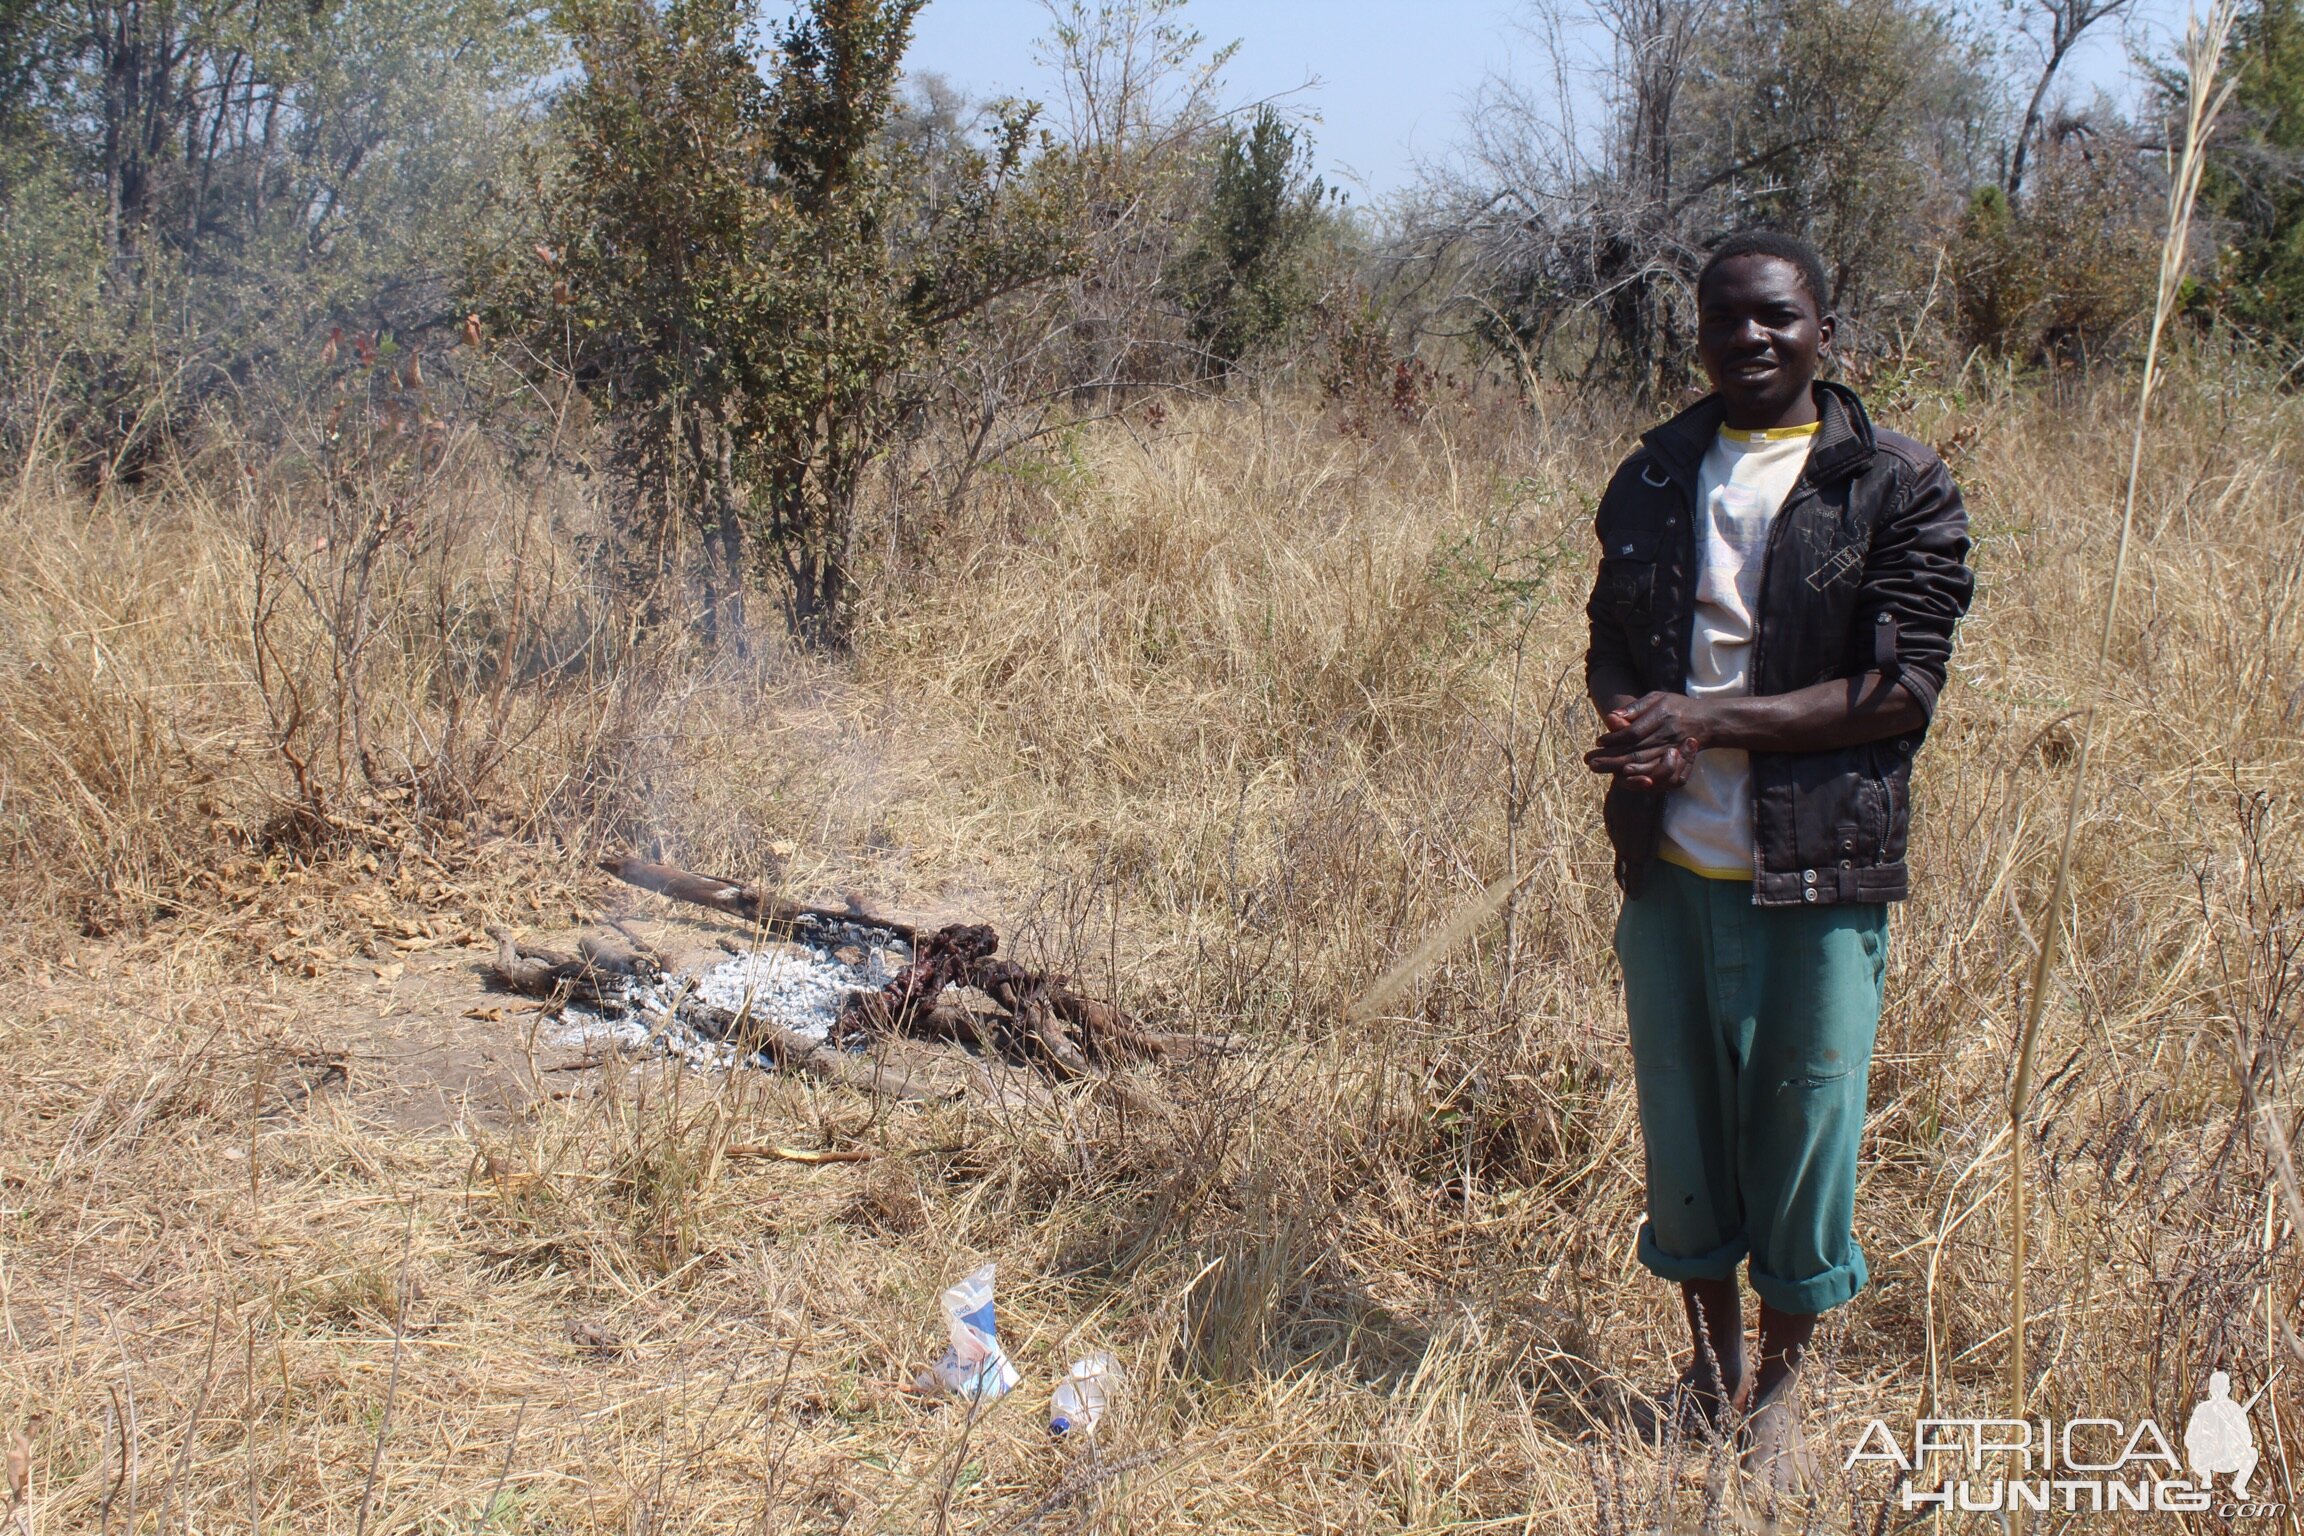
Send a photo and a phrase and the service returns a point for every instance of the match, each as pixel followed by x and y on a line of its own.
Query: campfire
pixel 820 986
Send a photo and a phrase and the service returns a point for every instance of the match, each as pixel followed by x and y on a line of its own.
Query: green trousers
pixel 1752 1034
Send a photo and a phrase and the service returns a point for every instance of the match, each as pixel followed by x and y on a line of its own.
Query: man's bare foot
pixel 1699 1405
pixel 1691 1409
pixel 1775 1445
pixel 1704 1398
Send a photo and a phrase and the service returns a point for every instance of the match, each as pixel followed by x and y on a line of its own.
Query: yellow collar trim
pixel 1770 434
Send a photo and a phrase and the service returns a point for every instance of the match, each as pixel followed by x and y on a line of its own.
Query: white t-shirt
pixel 1740 489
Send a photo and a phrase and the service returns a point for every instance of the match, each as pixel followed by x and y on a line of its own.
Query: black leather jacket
pixel 1866 570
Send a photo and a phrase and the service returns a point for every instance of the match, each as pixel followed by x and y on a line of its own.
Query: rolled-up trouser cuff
pixel 1719 1264
pixel 1819 1293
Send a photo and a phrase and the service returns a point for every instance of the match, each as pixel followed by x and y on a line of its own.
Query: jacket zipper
pixel 1802 487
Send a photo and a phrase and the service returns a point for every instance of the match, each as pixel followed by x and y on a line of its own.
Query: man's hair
pixel 1768 242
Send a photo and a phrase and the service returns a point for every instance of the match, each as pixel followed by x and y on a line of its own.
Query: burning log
pixel 748 902
pixel 1040 1020
pixel 819 1059
pixel 615 956
pixel 599 974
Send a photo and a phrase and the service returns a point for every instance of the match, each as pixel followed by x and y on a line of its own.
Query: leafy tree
pixel 1246 278
pixel 2255 181
pixel 235 178
pixel 883 262
pixel 755 263
pixel 650 292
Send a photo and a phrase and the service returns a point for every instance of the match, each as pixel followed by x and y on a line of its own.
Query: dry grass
pixel 1225 714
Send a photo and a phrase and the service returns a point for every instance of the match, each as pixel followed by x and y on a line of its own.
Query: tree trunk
pixel 820 604
pixel 2031 126
pixel 734 567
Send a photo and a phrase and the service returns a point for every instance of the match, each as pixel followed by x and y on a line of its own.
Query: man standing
pixel 1779 581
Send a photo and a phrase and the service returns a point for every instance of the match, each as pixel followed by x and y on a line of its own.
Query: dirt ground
pixel 354 1184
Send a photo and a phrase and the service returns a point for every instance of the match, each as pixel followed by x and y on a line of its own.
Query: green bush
pixel 1247 279
pixel 2060 276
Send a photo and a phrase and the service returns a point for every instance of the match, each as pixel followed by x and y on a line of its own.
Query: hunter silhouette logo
pixel 2218 1439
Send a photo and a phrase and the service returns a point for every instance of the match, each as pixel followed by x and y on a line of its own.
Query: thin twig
pixel 248 1423
pixel 392 1383
pixel 131 1446
pixel 191 1427
pixel 486 1513
pixel 976 1401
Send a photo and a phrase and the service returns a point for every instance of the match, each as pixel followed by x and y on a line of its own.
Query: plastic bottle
pixel 1082 1396
pixel 975 1366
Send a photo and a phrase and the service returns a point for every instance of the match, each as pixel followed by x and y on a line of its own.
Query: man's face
pixel 1761 336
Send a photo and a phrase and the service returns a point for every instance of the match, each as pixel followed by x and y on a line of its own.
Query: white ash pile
pixel 794 987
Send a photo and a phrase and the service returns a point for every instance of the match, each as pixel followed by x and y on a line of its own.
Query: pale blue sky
pixel 1392 78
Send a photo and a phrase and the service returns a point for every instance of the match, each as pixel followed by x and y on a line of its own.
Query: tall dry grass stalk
pixel 2205 95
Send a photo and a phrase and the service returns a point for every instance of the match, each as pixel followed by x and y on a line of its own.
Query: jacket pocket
pixel 1627 576
pixel 1634 543
pixel 1809 812
pixel 1891 763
